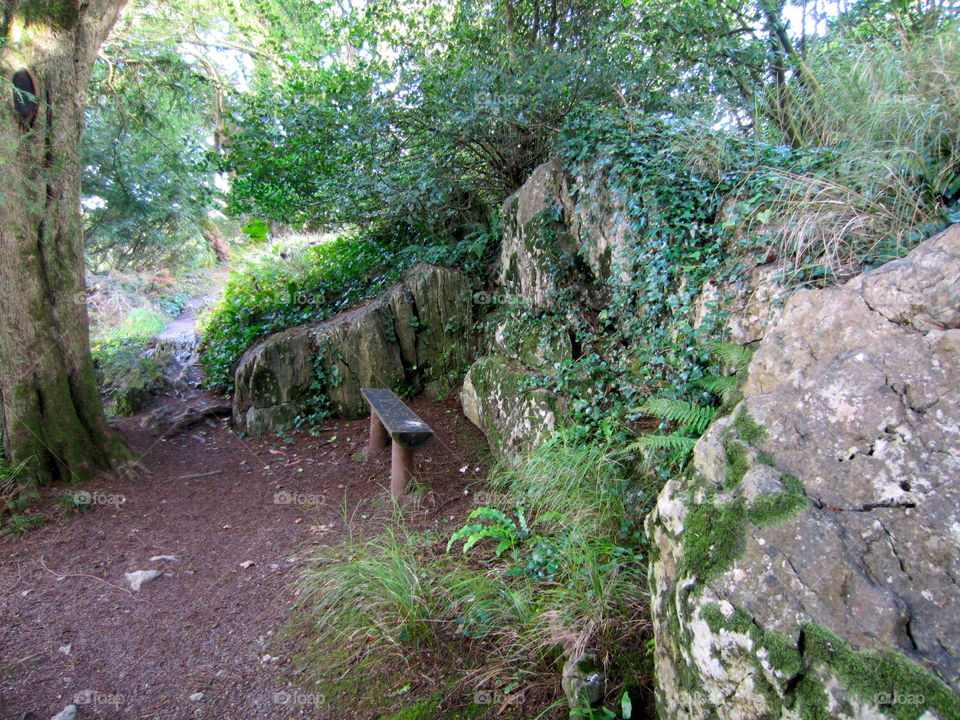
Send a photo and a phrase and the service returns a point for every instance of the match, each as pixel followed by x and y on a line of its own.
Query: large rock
pixel 808 565
pixel 534 237
pixel 416 337
pixel 497 397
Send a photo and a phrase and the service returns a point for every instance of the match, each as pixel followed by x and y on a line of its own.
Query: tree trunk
pixel 52 418
pixel 215 238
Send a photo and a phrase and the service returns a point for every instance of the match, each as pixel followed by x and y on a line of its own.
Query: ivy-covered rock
pixel 806 565
pixel 497 398
pixel 416 337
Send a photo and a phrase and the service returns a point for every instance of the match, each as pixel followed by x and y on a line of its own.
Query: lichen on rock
pixel 806 563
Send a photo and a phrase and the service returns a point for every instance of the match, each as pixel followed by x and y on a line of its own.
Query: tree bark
pixel 52 419
pixel 215 238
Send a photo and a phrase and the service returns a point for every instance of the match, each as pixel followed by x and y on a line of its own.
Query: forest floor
pixel 238 519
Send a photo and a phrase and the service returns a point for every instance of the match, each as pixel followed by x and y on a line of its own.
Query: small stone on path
pixel 68 713
pixel 138 578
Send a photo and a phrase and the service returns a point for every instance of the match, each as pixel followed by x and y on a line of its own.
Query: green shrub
pixel 891 178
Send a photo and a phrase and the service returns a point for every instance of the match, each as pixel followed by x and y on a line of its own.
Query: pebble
pixel 68 713
pixel 196 697
pixel 138 578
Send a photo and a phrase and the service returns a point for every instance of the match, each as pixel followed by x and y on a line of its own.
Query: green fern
pixel 696 418
pixel 737 356
pixel 507 532
pixel 674 442
pixel 723 386
pixel 669 450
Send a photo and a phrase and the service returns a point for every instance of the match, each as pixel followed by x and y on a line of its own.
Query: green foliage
pixel 507 532
pixel 692 417
pixel 378 594
pixel 256 230
pixel 723 386
pixel 889 112
pixel 146 184
pixel 419 116
pixel 128 370
pixel 736 356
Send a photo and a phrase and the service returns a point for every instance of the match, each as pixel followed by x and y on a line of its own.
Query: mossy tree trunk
pixel 51 416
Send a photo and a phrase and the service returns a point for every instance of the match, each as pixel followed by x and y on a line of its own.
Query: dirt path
pixel 201 641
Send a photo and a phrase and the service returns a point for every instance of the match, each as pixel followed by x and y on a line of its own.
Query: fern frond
pixel 737 356
pixel 489 513
pixel 723 386
pixel 672 442
pixel 696 416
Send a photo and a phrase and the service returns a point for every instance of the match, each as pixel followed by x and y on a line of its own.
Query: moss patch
pixel 750 431
pixel 773 508
pixel 902 688
pixel 714 537
pixel 738 462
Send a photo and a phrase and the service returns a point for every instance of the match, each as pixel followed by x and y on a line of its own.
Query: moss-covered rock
pixel 417 337
pixel 805 565
pixel 497 397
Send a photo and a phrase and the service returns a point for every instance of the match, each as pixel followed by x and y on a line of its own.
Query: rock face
pixel 808 564
pixel 533 236
pixel 416 337
pixel 578 228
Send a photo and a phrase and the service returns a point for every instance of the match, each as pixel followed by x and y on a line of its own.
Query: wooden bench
pixel 391 419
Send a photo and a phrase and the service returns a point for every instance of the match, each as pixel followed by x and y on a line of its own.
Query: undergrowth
pixel 891 177
pixel 501 617
pixel 15 496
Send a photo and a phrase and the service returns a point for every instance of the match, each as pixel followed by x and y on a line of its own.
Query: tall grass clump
pixel 16 492
pixel 373 597
pixel 555 566
pixel 886 113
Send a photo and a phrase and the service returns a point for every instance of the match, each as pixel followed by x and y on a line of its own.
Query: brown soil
pixel 69 622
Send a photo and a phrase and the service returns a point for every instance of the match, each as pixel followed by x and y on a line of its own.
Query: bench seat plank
pixel 404 425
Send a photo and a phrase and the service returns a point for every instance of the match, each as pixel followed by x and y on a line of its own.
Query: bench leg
pixel 378 437
pixel 401 470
